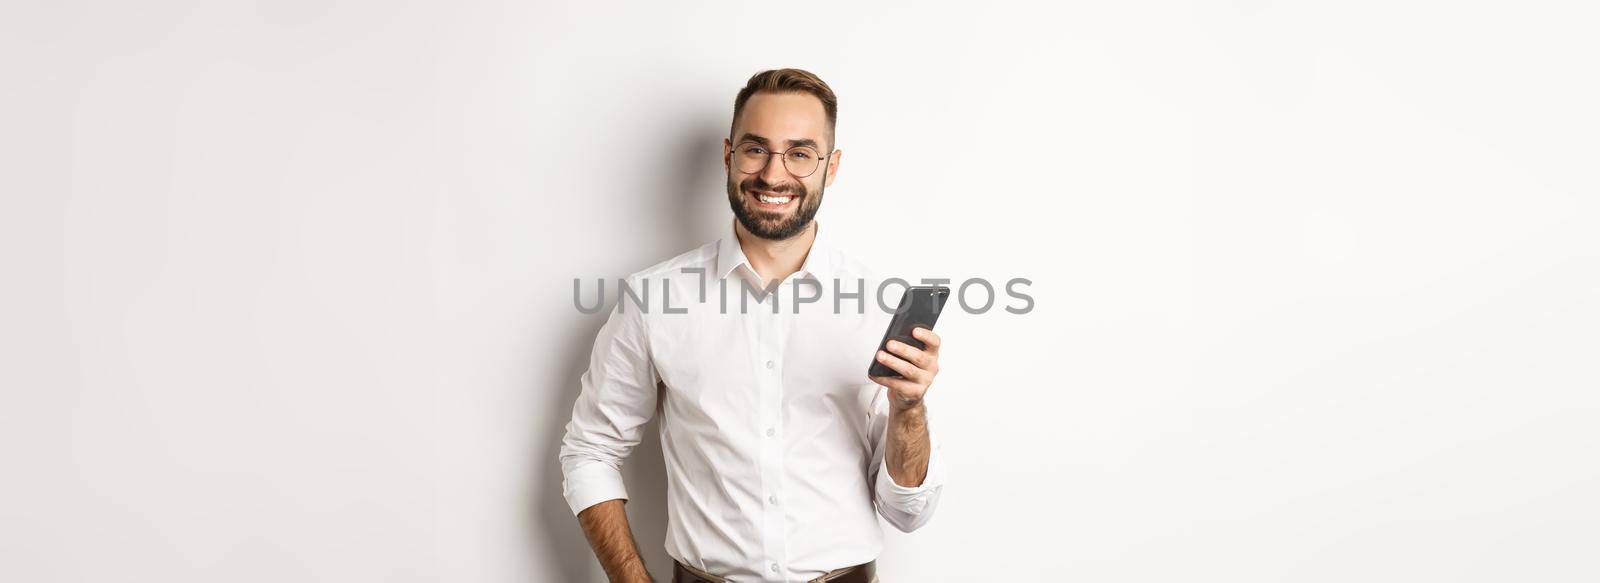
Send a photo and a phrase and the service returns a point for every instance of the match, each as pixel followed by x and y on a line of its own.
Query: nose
pixel 775 173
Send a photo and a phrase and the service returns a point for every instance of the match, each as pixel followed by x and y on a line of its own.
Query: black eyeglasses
pixel 801 161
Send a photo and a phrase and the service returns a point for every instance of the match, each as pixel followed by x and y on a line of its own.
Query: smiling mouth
pixel 769 200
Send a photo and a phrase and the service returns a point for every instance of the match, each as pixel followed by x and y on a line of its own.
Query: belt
pixel 863 573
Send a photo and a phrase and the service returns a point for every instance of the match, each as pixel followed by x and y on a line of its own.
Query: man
pixel 780 451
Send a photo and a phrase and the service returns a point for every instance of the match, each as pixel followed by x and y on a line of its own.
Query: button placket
pixel 769 334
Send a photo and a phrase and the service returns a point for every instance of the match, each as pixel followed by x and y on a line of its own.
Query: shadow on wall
pixel 680 225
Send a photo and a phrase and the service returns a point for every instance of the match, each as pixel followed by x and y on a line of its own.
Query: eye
pixel 801 154
pixel 754 150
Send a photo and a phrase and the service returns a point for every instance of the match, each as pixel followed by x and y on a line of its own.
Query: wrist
pixel 907 407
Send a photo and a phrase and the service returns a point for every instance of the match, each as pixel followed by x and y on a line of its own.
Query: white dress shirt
pixel 772 435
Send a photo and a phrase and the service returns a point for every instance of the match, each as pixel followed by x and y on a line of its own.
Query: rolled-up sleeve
pixel 906 507
pixel 618 397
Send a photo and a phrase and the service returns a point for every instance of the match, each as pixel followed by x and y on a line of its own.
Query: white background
pixel 287 284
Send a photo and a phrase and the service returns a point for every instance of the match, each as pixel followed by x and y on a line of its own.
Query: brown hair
pixel 788 81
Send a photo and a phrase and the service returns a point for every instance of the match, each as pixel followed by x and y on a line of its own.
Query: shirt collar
pixel 818 263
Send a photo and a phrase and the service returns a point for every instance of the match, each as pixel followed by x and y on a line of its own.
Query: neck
pixel 775 260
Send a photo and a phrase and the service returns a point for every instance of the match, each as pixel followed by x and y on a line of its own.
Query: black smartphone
pixel 919 308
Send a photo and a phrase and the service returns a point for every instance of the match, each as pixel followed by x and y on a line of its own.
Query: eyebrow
pixel 749 137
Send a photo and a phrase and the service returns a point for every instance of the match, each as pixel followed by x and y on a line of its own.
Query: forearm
pixel 606 526
pixel 908 449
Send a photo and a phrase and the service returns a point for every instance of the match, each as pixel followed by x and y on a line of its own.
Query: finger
pixel 928 338
pixel 900 386
pixel 913 355
pixel 899 365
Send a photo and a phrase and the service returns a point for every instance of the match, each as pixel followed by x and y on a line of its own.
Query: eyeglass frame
pixel 768 162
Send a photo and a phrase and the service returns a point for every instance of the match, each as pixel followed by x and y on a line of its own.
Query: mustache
pixel 756 183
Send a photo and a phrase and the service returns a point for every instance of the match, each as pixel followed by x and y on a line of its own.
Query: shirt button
pixel 771 432
pixel 773 567
pixel 772 499
pixel 769 365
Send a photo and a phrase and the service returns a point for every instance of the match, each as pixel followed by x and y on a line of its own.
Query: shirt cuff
pixel 912 499
pixel 591 484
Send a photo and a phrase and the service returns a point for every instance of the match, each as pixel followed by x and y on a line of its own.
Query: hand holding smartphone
pixel 919 308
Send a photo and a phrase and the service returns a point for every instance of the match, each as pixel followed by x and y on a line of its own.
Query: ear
pixel 833 166
pixel 727 152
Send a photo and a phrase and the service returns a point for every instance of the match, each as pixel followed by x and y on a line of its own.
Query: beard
pixel 767 224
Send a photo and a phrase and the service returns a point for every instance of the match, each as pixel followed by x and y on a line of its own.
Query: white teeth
pixel 773 199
